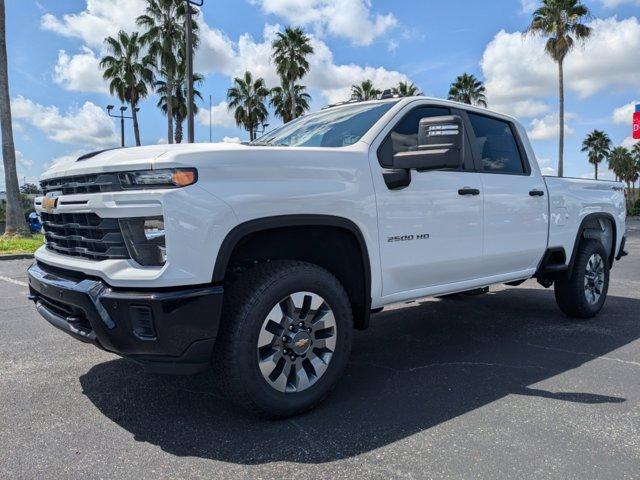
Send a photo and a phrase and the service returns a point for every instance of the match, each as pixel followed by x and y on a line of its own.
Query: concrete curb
pixel 19 256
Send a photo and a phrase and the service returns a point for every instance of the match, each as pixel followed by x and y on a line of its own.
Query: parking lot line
pixel 15 282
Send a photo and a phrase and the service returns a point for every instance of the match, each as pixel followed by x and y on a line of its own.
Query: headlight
pixel 165 178
pixel 145 240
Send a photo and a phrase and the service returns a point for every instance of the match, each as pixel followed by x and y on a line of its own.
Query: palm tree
pixel 468 89
pixel 635 154
pixel 290 51
pixel 165 37
pixel 620 160
pixel 598 146
pixel 15 221
pixel 128 74
pixel 246 97
pixel 406 89
pixel 364 91
pixel 179 98
pixel 560 21
pixel 281 101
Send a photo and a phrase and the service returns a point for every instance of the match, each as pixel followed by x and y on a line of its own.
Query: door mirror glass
pixel 439 145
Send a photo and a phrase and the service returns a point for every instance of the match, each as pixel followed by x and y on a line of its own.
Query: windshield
pixel 335 127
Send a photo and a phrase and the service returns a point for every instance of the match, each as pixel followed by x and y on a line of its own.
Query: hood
pixel 135 158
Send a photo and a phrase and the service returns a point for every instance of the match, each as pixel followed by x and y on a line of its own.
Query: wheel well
pixel 600 227
pixel 337 248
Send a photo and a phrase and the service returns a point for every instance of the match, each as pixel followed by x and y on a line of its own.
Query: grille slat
pixel 84 235
pixel 94 183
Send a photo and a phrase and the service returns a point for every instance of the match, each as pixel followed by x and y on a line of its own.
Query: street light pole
pixel 122 110
pixel 189 42
pixel 122 117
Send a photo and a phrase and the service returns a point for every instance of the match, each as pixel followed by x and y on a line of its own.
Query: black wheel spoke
pixel 296 342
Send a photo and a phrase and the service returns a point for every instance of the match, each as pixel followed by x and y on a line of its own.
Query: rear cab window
pixel 497 145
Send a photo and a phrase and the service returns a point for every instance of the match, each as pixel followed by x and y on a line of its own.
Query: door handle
pixel 536 193
pixel 468 191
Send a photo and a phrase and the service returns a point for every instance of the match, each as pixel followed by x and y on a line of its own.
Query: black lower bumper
pixel 166 330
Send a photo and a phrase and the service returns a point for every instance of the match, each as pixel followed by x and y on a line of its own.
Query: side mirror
pixel 439 145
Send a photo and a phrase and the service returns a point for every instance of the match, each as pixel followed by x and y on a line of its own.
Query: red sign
pixel 636 125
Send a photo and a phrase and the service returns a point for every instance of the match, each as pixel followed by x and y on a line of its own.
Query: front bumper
pixel 166 330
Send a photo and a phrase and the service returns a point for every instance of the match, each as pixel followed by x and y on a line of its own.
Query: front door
pixel 430 230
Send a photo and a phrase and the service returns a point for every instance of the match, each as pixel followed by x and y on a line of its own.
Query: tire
pixel 583 293
pixel 250 345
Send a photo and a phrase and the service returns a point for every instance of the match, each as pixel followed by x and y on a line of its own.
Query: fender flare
pixel 582 228
pixel 282 221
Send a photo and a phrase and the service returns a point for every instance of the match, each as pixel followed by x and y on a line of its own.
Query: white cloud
pixel 546 167
pixel 629 142
pixel 216 51
pixel 23 165
pixel 79 73
pixel 617 3
pixel 100 19
pixel 220 116
pixel 350 19
pixel 231 140
pixel 25 162
pixel 87 125
pixel 528 6
pixel 547 127
pixel 517 69
pixel 624 115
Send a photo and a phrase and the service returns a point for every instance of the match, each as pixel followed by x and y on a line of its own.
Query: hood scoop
pixel 89 155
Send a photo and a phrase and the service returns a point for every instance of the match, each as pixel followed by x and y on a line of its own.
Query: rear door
pixel 515 204
pixel 430 230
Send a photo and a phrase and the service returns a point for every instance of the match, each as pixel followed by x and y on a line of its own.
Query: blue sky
pixel 58 97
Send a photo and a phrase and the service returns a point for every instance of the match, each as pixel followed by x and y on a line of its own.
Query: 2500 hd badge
pixel 408 238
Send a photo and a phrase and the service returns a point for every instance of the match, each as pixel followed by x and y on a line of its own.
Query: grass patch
pixel 20 245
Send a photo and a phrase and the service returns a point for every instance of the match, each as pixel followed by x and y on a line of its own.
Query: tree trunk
pixel 136 127
pixel 292 92
pixel 170 108
pixel 596 165
pixel 15 221
pixel 179 130
pixel 561 119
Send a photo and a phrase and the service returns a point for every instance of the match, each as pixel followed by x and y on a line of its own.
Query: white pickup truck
pixel 260 259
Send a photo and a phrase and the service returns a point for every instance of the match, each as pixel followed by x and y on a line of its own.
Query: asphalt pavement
pixel 500 385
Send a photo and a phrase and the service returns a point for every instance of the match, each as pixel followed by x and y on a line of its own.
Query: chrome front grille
pixel 96 183
pixel 84 235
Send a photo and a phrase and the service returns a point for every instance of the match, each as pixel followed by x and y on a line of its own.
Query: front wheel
pixel 583 293
pixel 285 338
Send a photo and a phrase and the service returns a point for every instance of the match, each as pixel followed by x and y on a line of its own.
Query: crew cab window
pixel 404 136
pixel 334 127
pixel 497 145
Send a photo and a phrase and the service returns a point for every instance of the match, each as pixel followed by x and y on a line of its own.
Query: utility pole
pixel 189 42
pixel 210 119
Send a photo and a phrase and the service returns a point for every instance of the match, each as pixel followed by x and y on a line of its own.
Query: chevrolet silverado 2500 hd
pixel 260 259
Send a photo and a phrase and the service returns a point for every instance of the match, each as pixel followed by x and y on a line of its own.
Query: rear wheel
pixel 285 338
pixel 583 293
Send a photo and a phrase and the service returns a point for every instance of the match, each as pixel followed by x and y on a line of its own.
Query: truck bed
pixel 573 200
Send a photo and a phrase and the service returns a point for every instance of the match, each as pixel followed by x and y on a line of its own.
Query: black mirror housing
pixel 439 145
